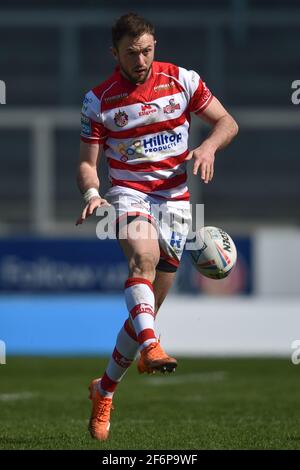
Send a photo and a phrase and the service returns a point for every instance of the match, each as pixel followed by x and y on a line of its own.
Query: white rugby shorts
pixel 171 219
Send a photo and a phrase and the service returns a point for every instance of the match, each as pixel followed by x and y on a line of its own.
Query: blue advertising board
pixel 40 265
pixel 66 296
pixel 61 265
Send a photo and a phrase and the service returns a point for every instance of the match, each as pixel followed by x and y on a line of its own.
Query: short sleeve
pixel 92 129
pixel 198 93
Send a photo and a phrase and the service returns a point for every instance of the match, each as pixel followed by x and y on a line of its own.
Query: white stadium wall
pixel 229 326
pixel 265 323
pixel 277 262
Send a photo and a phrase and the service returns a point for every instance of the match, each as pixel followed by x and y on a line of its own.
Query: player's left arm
pixel 224 129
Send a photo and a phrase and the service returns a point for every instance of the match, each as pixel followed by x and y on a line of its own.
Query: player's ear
pixel 114 52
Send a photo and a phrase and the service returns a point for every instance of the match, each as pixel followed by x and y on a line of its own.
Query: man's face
pixel 135 57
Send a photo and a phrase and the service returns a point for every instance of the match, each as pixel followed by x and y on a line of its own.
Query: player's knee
pixel 143 264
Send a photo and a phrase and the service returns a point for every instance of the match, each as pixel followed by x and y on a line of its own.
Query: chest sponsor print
pixel 148 145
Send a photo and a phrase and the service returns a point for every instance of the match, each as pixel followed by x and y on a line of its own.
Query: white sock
pixel 140 302
pixel 124 353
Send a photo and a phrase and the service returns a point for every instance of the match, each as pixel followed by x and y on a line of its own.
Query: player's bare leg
pixel 143 255
pixel 162 284
pixel 127 345
pixel 139 243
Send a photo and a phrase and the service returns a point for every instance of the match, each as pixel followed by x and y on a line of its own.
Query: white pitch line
pixel 201 377
pixel 17 396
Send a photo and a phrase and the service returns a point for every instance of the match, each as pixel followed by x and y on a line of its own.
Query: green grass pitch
pixel 206 404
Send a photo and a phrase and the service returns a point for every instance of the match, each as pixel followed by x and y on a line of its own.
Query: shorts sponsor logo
pixel 171 107
pixel 175 242
pixel 121 118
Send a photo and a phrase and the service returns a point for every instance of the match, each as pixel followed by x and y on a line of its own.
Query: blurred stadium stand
pixel 246 52
pixel 51 53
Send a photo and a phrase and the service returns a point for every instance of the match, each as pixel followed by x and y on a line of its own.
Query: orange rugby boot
pixel 101 407
pixel 153 358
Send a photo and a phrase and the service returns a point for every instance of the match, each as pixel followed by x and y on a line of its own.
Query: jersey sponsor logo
pixel 164 86
pixel 132 150
pixel 121 118
pixel 87 100
pixel 112 99
pixel 161 142
pixel 138 148
pixel 85 105
pixel 147 109
pixel 86 127
pixel 171 107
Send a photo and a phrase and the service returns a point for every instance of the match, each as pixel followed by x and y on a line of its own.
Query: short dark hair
pixel 132 25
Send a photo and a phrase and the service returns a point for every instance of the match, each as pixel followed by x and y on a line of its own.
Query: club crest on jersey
pixel 171 107
pixel 121 118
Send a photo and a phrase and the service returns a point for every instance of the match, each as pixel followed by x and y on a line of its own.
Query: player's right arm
pixel 87 179
pixel 93 135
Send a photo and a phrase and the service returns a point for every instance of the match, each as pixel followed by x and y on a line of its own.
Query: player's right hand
pixel 89 209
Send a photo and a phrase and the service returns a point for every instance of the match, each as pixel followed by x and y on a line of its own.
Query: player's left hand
pixel 204 157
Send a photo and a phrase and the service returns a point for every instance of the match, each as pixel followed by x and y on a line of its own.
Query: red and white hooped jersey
pixel 144 128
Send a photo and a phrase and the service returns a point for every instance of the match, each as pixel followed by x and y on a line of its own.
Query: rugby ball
pixel 214 254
